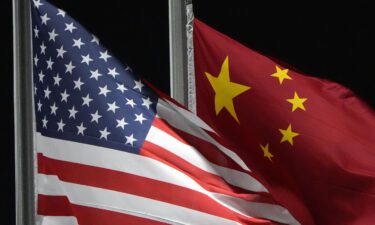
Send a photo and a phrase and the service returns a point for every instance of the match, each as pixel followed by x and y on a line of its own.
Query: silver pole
pixel 23 113
pixel 178 50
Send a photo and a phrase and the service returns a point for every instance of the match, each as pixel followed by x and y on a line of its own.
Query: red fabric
pixel 328 175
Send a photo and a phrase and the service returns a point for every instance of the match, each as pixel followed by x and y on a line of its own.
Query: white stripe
pixel 140 166
pixel 240 179
pixel 194 157
pixel 189 116
pixel 128 204
pixel 177 120
pixel 182 150
pixel 56 220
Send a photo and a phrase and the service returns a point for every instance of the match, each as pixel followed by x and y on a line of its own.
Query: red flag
pixel 311 141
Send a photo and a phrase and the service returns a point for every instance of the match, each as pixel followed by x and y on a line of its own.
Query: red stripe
pixel 54 205
pixel 208 150
pixel 60 206
pixel 135 185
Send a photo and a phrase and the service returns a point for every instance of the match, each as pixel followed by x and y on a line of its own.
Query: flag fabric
pixel 310 141
pixel 111 150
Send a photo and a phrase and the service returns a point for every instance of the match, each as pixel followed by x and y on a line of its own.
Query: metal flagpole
pixel 178 50
pixel 23 109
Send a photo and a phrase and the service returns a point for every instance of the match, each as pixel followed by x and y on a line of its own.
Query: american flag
pixel 110 150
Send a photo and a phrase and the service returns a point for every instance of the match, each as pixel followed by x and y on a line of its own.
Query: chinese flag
pixel 311 141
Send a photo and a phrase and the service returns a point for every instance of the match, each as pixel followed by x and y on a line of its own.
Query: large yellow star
pixel 281 74
pixel 297 102
pixel 266 151
pixel 288 134
pixel 225 90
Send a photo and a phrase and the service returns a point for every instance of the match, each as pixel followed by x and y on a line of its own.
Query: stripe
pixel 128 204
pixel 185 124
pixel 194 119
pixel 180 149
pixel 85 215
pixel 145 167
pixel 54 206
pixel 56 220
pixel 193 156
pixel 113 180
pixel 208 181
pixel 207 149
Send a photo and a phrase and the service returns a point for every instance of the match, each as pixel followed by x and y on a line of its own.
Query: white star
pixel 70 27
pixel 86 59
pixel 130 139
pixel 69 67
pixel 39 106
pixel 121 87
pixel 36 59
pixel 60 52
pixel 43 49
pixel 52 35
pixel 112 107
pixel 138 85
pixel 95 39
pixel 47 92
pixel 78 43
pixel 72 112
pixel 53 109
pixel 49 63
pixel 61 12
pixel 95 117
pixel 112 72
pixel 36 32
pixel 104 133
pixel 45 121
pixel 104 91
pixel 41 76
pixel 35 89
pixel 121 123
pixel 45 18
pixel 61 125
pixel 86 100
pixel 95 74
pixel 81 129
pixel 104 56
pixel 130 102
pixel 37 3
pixel 139 118
pixel 57 80
pixel 146 103
pixel 64 96
pixel 78 84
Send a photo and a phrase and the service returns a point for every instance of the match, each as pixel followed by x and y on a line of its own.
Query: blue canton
pixel 82 92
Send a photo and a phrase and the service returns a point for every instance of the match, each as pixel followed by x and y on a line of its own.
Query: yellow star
pixel 281 74
pixel 288 134
pixel 225 90
pixel 266 151
pixel 297 102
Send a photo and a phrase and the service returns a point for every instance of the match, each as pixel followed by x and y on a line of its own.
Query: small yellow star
pixel 266 151
pixel 281 74
pixel 225 90
pixel 297 102
pixel 288 134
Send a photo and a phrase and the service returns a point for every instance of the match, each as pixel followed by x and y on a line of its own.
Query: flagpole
pixel 23 113
pixel 178 50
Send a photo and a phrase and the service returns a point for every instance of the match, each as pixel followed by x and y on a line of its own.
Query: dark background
pixel 335 43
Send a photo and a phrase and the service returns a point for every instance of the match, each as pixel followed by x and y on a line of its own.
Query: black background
pixel 332 42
